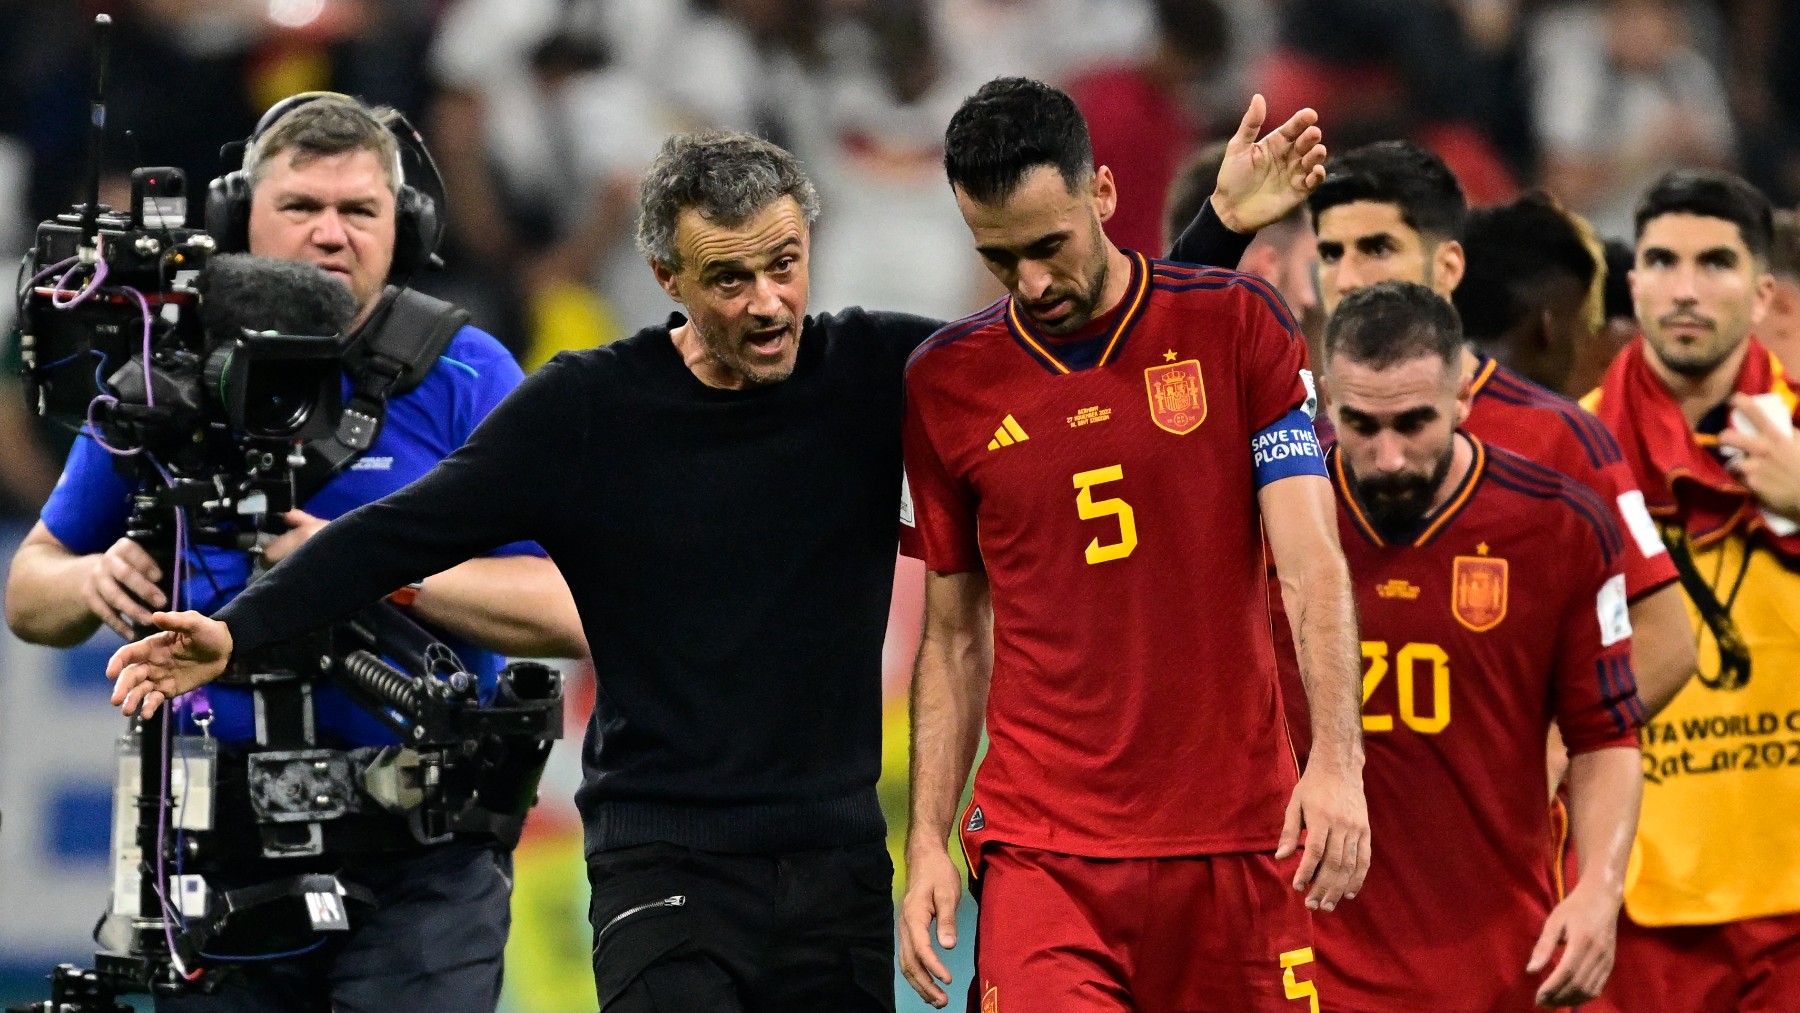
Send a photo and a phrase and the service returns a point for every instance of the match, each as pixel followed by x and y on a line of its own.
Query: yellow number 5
pixel 1091 509
pixel 1293 988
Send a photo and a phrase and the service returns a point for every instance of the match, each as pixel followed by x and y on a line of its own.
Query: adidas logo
pixel 1009 433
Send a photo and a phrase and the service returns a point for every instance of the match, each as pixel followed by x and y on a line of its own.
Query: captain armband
pixel 1287 447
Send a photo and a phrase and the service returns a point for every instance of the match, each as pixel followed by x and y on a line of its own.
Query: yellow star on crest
pixel 1169 356
pixel 1482 548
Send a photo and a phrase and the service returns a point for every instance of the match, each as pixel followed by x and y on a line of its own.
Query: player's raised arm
pixel 949 696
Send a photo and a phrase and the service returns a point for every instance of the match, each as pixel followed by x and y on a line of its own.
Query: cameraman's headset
pixel 418 220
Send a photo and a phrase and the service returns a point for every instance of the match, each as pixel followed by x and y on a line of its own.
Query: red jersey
pixel 1543 426
pixel 1507 611
pixel 1133 709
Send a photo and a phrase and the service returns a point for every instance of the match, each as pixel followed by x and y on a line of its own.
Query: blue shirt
pixel 90 506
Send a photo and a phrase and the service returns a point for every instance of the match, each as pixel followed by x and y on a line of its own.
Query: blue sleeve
pixel 1287 447
pixel 89 508
pixel 490 373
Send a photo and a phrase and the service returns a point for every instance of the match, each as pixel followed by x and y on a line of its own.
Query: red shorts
pixel 1215 934
pixel 1752 966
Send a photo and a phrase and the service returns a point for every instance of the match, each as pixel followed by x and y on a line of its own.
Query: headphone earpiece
pixel 228 211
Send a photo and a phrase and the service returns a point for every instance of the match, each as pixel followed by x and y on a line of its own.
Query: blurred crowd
pixel 542 112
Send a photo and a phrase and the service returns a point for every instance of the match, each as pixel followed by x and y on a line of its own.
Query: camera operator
pixel 322 181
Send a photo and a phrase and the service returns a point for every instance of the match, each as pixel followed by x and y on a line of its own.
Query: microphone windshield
pixel 239 291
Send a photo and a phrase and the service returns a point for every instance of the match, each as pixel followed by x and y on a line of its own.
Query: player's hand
pixel 121 588
pixel 1329 805
pixel 301 526
pixel 1263 181
pixel 190 652
pixel 1770 463
pixel 933 889
pixel 1586 926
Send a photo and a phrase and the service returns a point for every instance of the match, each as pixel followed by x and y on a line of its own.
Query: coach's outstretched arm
pixel 949 697
pixel 510 482
pixel 1300 517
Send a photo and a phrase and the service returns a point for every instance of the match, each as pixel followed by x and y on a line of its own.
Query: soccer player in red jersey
pixel 1491 593
pixel 1096 457
pixel 1392 211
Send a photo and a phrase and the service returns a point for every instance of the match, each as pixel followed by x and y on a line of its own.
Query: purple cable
pixel 93 429
pixel 48 271
pixel 149 386
pixel 87 291
pixel 144 308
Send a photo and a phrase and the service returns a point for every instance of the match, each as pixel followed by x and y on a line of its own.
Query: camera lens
pixel 278 403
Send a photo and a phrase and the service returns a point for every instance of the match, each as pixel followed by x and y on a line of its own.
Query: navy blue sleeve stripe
pixel 957 330
pixel 1634 704
pixel 1611 691
pixel 1494 391
pixel 1575 492
pixel 1183 274
pixel 1602 449
pixel 1575 416
pixel 1612 543
pixel 1274 304
pixel 1549 484
pixel 1171 276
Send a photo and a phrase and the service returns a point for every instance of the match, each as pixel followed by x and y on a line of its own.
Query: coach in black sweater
pixel 721 494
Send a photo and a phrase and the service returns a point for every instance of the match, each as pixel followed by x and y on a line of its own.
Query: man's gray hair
pixel 328 125
pixel 726 176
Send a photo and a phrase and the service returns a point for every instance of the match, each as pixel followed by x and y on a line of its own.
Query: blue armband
pixel 1288 447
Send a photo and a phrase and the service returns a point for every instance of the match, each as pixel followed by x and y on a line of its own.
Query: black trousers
pixel 677 929
pixel 433 941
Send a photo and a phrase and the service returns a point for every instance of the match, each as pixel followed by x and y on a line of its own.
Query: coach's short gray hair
pixel 726 176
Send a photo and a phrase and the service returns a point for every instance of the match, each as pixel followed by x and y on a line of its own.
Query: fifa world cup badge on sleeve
pixel 1177 396
pixel 1614 610
pixel 1478 590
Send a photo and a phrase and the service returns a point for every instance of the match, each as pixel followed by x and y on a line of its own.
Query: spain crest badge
pixel 1177 396
pixel 1478 591
pixel 990 1000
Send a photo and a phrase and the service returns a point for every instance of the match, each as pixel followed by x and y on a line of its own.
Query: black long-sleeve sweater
pixel 731 555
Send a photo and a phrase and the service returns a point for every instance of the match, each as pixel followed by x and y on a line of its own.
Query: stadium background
pixel 541 113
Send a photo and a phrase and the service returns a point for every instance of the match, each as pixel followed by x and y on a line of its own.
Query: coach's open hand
pixel 190 652
pixel 1262 182
pixel 1328 802
pixel 933 888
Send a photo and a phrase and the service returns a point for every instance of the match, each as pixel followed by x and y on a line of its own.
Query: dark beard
pixel 1397 504
pixel 1087 304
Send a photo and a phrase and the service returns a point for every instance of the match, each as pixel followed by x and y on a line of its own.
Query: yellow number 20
pixel 1375 652
pixel 1295 989
pixel 1091 509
